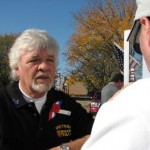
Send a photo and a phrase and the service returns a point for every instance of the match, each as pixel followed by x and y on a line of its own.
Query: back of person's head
pixel 30 40
pixel 117 78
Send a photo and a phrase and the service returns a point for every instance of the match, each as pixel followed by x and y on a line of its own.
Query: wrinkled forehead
pixel 38 52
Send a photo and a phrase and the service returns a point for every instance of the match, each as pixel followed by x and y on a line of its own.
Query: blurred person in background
pixel 112 87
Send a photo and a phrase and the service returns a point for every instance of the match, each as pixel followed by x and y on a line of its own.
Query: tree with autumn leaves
pixel 90 52
pixel 6 42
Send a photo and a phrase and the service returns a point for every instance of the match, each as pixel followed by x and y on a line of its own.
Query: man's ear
pixel 145 23
pixel 17 71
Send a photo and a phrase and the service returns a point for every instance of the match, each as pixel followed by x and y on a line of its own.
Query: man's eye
pixel 34 60
pixel 51 60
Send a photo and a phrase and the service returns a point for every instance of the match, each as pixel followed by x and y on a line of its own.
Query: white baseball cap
pixel 143 9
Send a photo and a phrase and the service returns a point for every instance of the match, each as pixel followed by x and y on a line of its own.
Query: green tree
pixel 90 52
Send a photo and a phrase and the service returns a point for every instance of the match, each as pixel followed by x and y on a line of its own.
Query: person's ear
pixel 17 71
pixel 145 23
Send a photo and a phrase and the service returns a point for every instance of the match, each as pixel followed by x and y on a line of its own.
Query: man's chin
pixel 41 88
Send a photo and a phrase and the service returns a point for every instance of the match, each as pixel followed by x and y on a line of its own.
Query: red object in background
pixel 95 103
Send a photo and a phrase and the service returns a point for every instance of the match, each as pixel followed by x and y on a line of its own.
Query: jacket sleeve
pixel 82 121
pixel 4 145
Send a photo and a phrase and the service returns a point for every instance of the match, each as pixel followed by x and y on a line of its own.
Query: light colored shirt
pixel 124 122
pixel 38 101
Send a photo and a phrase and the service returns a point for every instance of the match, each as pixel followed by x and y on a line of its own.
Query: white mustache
pixel 40 74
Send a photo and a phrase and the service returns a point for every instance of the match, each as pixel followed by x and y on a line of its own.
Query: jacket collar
pixel 18 99
pixel 16 95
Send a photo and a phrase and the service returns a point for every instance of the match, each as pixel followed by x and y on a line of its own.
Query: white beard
pixel 41 88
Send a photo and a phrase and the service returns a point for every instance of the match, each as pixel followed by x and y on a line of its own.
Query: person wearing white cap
pixel 123 123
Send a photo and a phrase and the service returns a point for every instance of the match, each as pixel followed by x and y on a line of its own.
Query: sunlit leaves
pixel 90 51
pixel 6 42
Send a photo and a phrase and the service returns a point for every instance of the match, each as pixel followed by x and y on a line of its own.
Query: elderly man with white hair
pixel 33 115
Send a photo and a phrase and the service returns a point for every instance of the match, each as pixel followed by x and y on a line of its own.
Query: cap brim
pixel 134 31
pixel 133 37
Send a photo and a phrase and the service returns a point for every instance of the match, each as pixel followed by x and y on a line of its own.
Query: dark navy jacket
pixel 23 128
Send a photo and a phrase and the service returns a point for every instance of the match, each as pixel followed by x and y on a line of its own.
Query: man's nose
pixel 43 66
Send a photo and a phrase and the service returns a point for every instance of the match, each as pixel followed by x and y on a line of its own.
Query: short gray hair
pixel 30 40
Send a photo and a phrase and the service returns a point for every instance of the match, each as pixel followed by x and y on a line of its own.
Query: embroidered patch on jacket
pixel 56 108
pixel 63 130
pixel 15 102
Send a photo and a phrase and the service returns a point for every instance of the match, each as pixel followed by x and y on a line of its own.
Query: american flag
pixel 119 53
pixel 120 57
pixel 54 109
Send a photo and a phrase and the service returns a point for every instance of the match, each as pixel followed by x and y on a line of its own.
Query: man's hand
pixel 55 148
pixel 74 145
